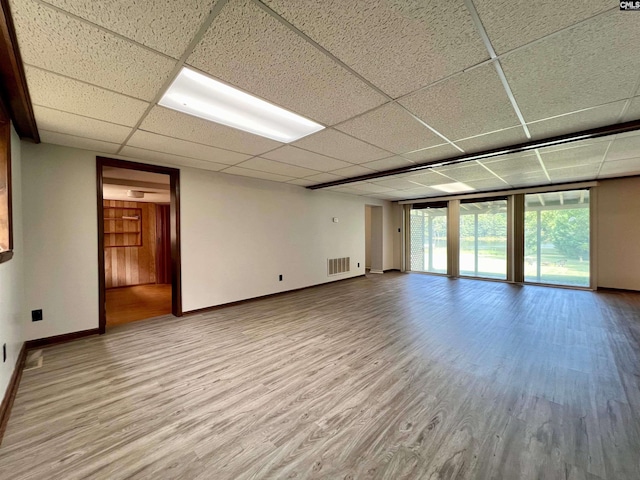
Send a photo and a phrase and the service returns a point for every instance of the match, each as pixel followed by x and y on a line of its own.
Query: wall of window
pixel 428 239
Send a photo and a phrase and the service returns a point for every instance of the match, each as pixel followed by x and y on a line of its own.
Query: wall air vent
pixel 336 266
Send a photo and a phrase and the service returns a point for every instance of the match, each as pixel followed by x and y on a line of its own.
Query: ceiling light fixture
pixel 456 187
pixel 201 96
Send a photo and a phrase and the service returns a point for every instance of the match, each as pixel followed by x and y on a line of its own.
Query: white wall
pixel 11 279
pixel 238 234
pixel 618 233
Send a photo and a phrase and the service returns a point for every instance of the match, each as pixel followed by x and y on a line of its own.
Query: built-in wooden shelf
pixel 122 227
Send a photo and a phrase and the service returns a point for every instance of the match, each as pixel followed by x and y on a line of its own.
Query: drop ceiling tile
pixel 575 69
pixel 164 26
pixel 527 179
pixel 278 168
pixel 346 189
pixel 465 172
pixel 174 146
pixel 630 166
pixel 175 124
pixel 333 143
pixel 428 178
pixel 323 177
pixel 513 24
pixel 388 163
pixel 54 41
pixel 302 182
pixel 151 156
pixel 252 50
pixel 306 159
pixel 574 174
pixel 245 172
pixel 500 138
pixel 488 184
pixel 600 116
pixel 369 187
pixel 392 128
pixel 633 113
pixel 576 158
pixel 398 46
pixel 465 105
pixel 438 152
pixel 77 142
pixel 70 124
pixel 515 164
pixel 353 171
pixel 422 192
pixel 624 147
pixel 397 183
pixel 50 90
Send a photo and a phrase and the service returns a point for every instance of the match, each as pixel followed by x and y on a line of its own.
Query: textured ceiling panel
pixel 304 158
pixel 388 163
pixel 50 90
pixel 465 172
pixel 77 142
pixel 421 192
pixel 578 68
pixel 252 50
pixel 526 179
pixel 245 172
pixel 511 24
pixel 353 171
pixel 513 164
pixel 488 184
pixel 148 155
pixel 630 166
pixel 577 157
pixel 428 178
pixel 396 182
pixel 279 168
pixel 164 26
pixel 368 187
pixel 431 154
pixel 398 46
pixel 62 122
pixel 392 128
pixel 575 122
pixel 338 145
pixel 633 112
pixel 583 172
pixel 54 41
pixel 625 146
pixel 302 182
pixel 468 104
pixel 174 146
pixel 501 138
pixel 176 124
pixel 323 177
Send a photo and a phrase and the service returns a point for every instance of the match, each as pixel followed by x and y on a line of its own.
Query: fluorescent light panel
pixel 196 94
pixel 453 187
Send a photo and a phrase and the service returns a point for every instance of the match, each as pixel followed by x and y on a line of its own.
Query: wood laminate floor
pixel 395 376
pixel 130 304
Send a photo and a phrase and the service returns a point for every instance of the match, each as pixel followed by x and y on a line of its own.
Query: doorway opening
pixel 373 239
pixel 138 241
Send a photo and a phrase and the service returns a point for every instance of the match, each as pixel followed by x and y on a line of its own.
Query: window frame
pixel 6 237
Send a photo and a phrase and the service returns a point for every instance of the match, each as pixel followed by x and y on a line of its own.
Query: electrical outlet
pixel 358 264
pixel 4 352
pixel 398 230
pixel 36 315
pixel 280 278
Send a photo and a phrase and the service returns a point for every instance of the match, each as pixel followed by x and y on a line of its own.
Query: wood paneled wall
pixel 126 266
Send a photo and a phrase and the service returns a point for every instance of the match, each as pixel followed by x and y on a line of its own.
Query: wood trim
pixel 176 260
pixel 494 152
pixel 5 165
pixel 13 81
pixel 213 308
pixel 65 337
pixel 12 390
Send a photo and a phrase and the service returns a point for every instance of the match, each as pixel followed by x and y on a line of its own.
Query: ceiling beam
pixel 13 82
pixel 494 152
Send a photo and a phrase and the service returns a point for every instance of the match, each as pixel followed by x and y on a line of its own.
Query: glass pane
pixel 483 239
pixel 429 240
pixel 557 238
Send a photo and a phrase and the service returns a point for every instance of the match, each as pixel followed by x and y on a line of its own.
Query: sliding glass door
pixel 428 238
pixel 557 238
pixel 483 238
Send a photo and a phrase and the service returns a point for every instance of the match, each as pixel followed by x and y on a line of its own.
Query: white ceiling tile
pixel 333 143
pixel 369 187
pixel 346 189
pixel 306 159
pixel 514 164
pixel 353 171
pixel 77 142
pixel 151 156
pixel 465 172
pixel 164 26
pixel 500 138
pixel 388 163
pixel 63 122
pixel 512 24
pixel 633 113
pixel 50 90
pixel 422 192
pixel 398 46
pixel 397 183
pixel 323 177
pixel 175 124
pixel 630 166
pixel 488 184
pixel 54 41
pixel 252 50
pixel 302 182
pixel 428 178
pixel 278 168
pixel 600 116
pixel 465 105
pixel 245 172
pixel 526 179
pixel 578 157
pixel 392 128
pixel 624 147
pixel 579 68
pixel 438 152
pixel 174 146
pixel 574 174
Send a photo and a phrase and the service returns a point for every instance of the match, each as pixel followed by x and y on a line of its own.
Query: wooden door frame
pixel 176 280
